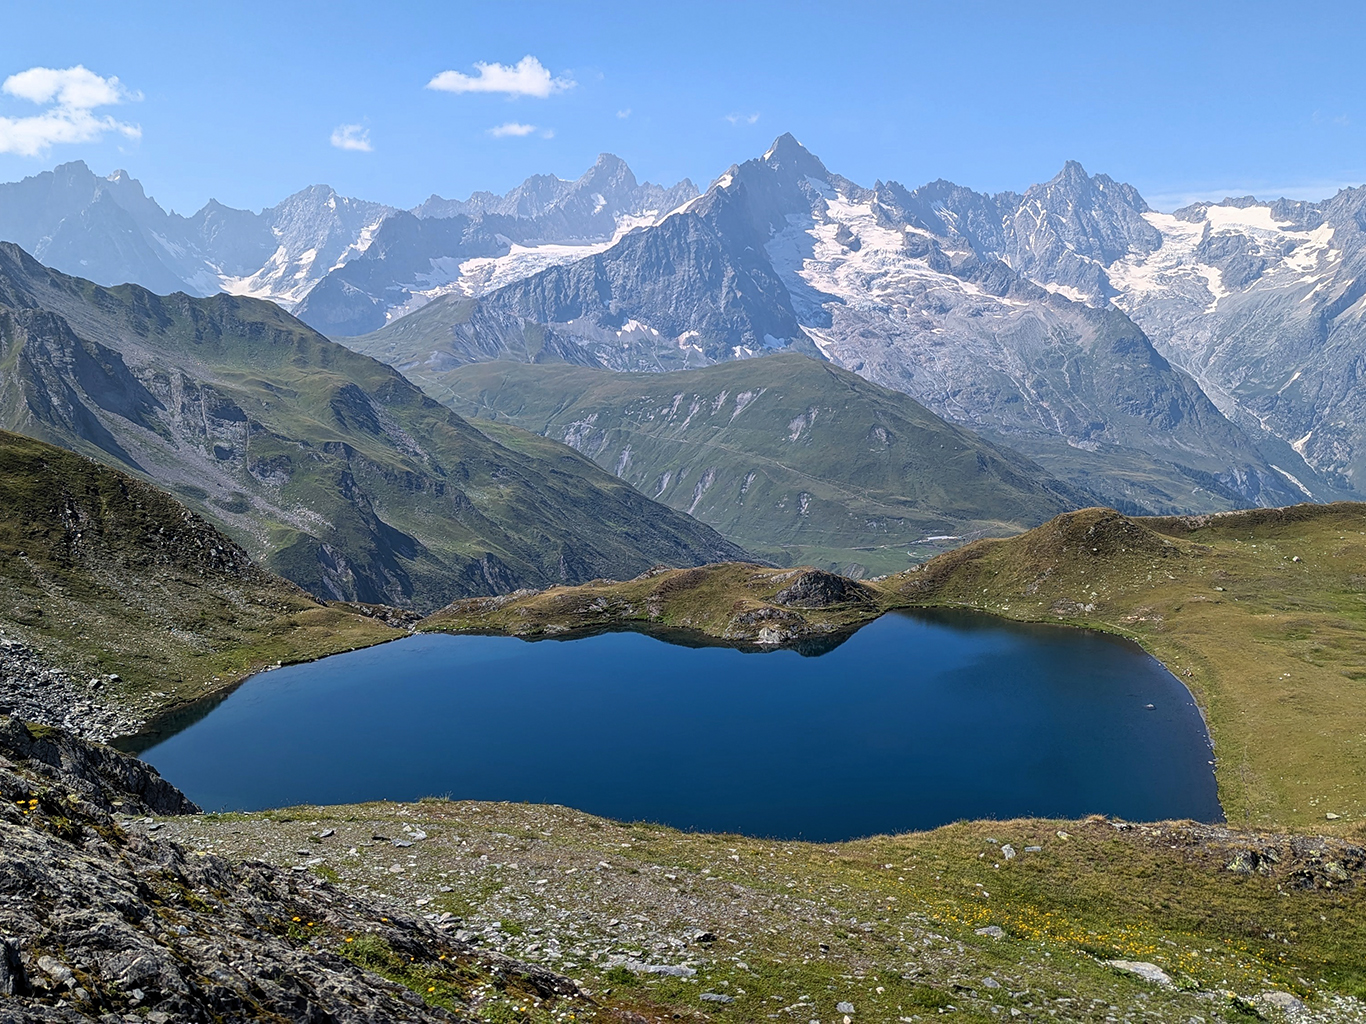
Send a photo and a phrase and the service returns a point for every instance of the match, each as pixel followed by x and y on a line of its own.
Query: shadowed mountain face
pixel 781 254
pixel 794 458
pixel 326 465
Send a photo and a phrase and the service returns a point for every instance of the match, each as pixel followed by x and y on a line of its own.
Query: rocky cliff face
pixel 1260 302
pixel 97 923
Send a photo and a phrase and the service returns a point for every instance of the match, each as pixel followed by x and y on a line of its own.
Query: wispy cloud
pixel 512 130
pixel 624 114
pixel 70 95
pixel 1341 120
pixel 528 77
pixel 743 118
pixel 352 136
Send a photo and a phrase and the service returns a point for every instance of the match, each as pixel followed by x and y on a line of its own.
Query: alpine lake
pixel 913 721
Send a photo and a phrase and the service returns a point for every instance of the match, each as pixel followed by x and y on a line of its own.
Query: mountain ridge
pixel 781 254
pixel 1212 284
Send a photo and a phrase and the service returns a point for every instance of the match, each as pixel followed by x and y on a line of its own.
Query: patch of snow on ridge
pixel 1294 480
pixel 1309 255
pixel 1243 218
pixel 1066 291
pixel 1139 273
pixel 818 269
pixel 1214 284
pixel 484 274
pixel 1176 265
pixel 362 242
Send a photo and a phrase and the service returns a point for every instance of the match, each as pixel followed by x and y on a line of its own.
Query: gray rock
pixel 844 1007
pixel 994 931
pixel 1281 1000
pixel 818 589
pixel 716 997
pixel 227 960
pixel 56 970
pixel 35 691
pixel 1144 970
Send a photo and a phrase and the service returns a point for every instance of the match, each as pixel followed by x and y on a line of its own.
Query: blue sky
pixel 243 105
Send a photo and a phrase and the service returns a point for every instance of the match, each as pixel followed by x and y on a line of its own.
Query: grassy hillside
pixel 1261 613
pixel 107 575
pixel 327 466
pixel 792 458
pixel 787 930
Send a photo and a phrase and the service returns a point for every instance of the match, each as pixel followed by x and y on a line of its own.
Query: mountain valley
pixel 331 468
pixel 792 458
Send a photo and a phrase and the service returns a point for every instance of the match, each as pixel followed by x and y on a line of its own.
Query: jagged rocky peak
pixel 1097 217
pixel 608 187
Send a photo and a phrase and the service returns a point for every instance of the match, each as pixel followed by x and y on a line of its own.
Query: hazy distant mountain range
pixel 107 230
pixel 1190 361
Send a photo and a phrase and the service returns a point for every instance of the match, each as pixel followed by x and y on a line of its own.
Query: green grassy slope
pixel 794 459
pixel 788 930
pixel 326 465
pixel 106 574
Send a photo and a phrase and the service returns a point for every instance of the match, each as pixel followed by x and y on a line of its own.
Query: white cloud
pixel 352 136
pixel 528 77
pixel 742 118
pixel 512 129
pixel 624 114
pixel 70 94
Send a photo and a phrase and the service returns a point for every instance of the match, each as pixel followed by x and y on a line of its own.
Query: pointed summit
pixel 608 172
pixel 788 154
pixel 1072 177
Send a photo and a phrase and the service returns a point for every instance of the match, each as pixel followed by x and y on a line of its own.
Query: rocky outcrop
pixel 97 923
pixel 818 589
pixel 99 775
pixel 33 690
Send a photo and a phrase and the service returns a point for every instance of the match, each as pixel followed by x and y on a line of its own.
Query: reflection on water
pixel 914 721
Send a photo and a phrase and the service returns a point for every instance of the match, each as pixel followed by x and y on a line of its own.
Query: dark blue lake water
pixel 915 721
